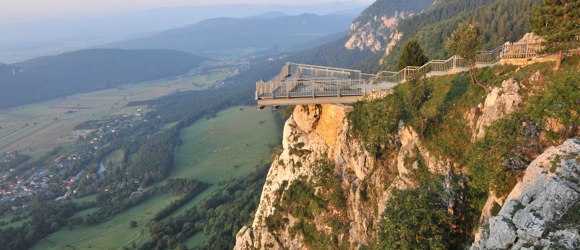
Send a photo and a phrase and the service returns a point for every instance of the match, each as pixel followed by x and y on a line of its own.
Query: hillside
pixel 87 70
pixel 367 39
pixel 500 20
pixel 374 176
pixel 376 26
pixel 376 37
pixel 235 37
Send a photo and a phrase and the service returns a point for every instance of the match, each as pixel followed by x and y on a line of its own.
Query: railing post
pixel 454 61
pixel 526 50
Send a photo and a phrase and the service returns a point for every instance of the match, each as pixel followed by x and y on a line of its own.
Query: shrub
pixel 376 121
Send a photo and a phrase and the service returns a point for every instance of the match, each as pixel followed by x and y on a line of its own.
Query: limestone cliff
pixel 533 215
pixel 376 34
pixel 312 133
pixel 375 29
pixel 315 133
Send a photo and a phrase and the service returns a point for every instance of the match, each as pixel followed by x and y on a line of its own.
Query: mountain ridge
pixel 239 34
pixel 87 70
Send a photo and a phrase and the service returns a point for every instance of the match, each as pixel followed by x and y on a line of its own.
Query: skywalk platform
pixel 301 84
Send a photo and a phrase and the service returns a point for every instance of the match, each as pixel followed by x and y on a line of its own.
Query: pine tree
pixel 558 22
pixel 412 55
pixel 465 41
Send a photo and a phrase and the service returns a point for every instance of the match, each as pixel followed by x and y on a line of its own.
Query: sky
pixel 29 10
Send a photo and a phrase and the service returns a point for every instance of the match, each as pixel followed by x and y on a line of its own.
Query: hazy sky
pixel 25 10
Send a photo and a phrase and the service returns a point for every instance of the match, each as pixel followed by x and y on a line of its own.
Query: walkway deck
pixel 301 84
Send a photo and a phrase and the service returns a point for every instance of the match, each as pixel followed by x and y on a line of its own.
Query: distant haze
pixel 30 10
pixel 32 28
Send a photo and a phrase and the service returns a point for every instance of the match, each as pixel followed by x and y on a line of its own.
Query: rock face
pixel 318 132
pixel 312 133
pixel 532 215
pixel 376 33
pixel 375 29
pixel 500 102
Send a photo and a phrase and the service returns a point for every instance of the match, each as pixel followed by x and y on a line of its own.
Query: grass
pixel 169 125
pixel 14 224
pixel 197 240
pixel 229 145
pixel 112 234
pixel 116 158
pixel 90 198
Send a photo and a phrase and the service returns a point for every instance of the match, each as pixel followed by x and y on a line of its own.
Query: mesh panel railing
pixel 514 51
pixel 308 88
pixel 300 80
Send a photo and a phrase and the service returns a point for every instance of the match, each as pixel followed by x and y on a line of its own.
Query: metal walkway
pixel 300 84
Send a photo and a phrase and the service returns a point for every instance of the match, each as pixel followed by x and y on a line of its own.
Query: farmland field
pixel 112 234
pixel 226 146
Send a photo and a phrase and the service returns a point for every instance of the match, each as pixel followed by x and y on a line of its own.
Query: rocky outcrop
pixel 533 41
pixel 322 132
pixel 532 216
pixel 375 28
pixel 376 33
pixel 411 148
pixel 312 133
pixel 500 102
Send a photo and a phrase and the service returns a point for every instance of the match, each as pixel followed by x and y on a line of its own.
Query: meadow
pixel 229 145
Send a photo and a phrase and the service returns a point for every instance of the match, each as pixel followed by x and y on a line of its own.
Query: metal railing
pixel 302 80
pixel 292 88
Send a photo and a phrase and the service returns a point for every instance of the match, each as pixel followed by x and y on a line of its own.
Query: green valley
pixel 207 153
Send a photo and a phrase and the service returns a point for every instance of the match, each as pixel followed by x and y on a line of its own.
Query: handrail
pixel 332 81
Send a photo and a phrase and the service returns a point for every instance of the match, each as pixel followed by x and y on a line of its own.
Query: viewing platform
pixel 301 84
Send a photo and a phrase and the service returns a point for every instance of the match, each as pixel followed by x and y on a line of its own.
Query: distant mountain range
pixel 52 77
pixel 22 41
pixel 268 33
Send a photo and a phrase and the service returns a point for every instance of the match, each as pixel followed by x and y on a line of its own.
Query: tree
pixel 557 21
pixel 465 41
pixel 417 92
pixel 412 55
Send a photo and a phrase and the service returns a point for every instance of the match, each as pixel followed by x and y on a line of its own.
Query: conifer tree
pixel 412 55
pixel 558 22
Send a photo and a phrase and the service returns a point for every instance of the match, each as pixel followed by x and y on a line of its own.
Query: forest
pixel 500 21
